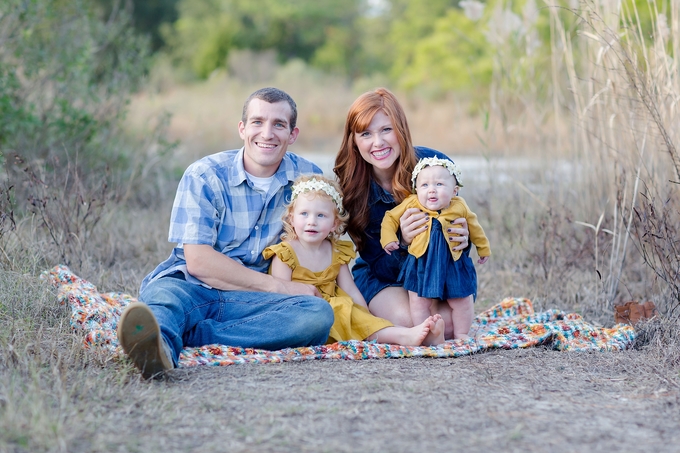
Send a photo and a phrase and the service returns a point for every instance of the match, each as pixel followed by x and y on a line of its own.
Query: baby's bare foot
pixel 436 333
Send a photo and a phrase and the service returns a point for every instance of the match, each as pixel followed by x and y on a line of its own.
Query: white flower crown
pixel 316 185
pixel 431 162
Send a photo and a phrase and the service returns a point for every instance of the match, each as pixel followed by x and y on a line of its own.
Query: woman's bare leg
pixel 462 312
pixel 392 304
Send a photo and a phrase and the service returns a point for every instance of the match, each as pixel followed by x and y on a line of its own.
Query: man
pixel 214 287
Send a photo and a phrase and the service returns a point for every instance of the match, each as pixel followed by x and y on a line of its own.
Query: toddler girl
pixel 312 253
pixel 432 270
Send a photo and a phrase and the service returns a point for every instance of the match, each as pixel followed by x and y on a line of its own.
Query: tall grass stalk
pixel 625 88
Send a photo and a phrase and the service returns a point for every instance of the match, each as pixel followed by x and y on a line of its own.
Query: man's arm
pixel 222 272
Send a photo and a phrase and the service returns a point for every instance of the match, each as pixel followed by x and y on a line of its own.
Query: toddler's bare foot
pixel 463 336
pixel 417 334
pixel 405 336
pixel 436 334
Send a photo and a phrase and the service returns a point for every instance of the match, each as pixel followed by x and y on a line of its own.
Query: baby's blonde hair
pixel 340 217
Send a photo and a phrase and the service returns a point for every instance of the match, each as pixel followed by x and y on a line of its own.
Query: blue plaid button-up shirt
pixel 217 205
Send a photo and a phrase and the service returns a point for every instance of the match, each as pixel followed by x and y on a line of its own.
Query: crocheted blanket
pixel 510 324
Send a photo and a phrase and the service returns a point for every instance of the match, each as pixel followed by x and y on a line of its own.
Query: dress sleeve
pixel 477 235
pixel 390 225
pixel 283 252
pixel 345 251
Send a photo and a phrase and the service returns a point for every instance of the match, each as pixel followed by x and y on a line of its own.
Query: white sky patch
pixel 472 9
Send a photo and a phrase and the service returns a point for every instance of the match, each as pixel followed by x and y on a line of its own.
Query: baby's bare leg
pixel 462 312
pixel 421 307
pixel 405 336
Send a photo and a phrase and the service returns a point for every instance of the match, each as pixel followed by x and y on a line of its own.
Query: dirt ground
pixel 530 400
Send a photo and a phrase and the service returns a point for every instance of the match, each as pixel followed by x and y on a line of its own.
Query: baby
pixel 432 270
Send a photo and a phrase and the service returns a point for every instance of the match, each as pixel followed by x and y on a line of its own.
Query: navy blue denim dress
pixel 435 274
pixel 375 270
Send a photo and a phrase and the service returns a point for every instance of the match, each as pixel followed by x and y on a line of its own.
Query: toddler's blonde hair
pixel 340 218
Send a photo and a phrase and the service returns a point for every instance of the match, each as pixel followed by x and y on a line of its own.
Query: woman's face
pixel 378 144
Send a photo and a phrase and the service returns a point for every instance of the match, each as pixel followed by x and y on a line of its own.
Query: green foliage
pixel 410 22
pixel 454 56
pixel 148 15
pixel 64 78
pixel 319 31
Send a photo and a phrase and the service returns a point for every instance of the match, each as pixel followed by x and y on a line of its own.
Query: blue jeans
pixel 192 315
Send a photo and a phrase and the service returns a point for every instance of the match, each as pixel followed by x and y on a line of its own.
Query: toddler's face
pixel 313 217
pixel 435 187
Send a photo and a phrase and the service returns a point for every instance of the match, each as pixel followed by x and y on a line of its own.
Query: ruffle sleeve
pixel 344 251
pixel 283 251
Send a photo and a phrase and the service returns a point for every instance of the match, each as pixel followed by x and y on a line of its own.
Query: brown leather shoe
pixel 141 339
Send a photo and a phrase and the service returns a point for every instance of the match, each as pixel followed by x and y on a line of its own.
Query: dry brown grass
pixel 550 225
pixel 54 396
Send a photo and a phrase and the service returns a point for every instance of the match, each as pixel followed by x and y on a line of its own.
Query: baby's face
pixel 435 187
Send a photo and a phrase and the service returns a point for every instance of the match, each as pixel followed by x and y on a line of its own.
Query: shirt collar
pixel 377 193
pixel 284 174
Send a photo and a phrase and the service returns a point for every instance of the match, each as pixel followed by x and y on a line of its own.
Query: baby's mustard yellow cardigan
pixel 457 208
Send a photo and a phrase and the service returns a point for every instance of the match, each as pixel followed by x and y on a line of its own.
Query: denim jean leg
pixel 172 300
pixel 263 321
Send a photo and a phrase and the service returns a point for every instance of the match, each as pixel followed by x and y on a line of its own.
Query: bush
pixel 65 78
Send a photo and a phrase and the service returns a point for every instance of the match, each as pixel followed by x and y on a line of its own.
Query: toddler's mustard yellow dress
pixel 352 321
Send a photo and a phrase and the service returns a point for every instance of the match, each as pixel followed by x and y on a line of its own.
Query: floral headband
pixel 315 185
pixel 433 161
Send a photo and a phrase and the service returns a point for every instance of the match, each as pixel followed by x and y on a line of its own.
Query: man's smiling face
pixel 266 135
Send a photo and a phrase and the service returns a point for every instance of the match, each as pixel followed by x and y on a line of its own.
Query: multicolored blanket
pixel 508 325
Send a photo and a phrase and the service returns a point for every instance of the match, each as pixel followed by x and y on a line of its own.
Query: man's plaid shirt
pixel 217 205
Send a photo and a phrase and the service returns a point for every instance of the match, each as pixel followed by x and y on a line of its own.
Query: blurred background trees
pixel 593 81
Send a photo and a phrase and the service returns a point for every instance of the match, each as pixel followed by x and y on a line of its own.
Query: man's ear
pixel 293 135
pixel 241 129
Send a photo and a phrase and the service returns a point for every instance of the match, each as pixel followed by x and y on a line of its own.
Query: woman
pixel 374 167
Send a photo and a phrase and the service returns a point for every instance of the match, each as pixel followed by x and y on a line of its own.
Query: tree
pixel 65 77
pixel 321 32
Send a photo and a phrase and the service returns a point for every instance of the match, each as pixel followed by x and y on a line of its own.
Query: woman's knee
pixel 392 304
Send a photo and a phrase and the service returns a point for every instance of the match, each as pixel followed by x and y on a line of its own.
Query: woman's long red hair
pixel 355 174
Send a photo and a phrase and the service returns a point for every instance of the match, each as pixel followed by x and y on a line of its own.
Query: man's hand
pixel 391 247
pixel 299 289
pixel 459 234
pixel 412 222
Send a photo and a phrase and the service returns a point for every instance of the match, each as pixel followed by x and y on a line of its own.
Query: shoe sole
pixel 139 335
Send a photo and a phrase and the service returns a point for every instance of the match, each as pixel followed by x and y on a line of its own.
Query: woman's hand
pixel 412 223
pixel 459 234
